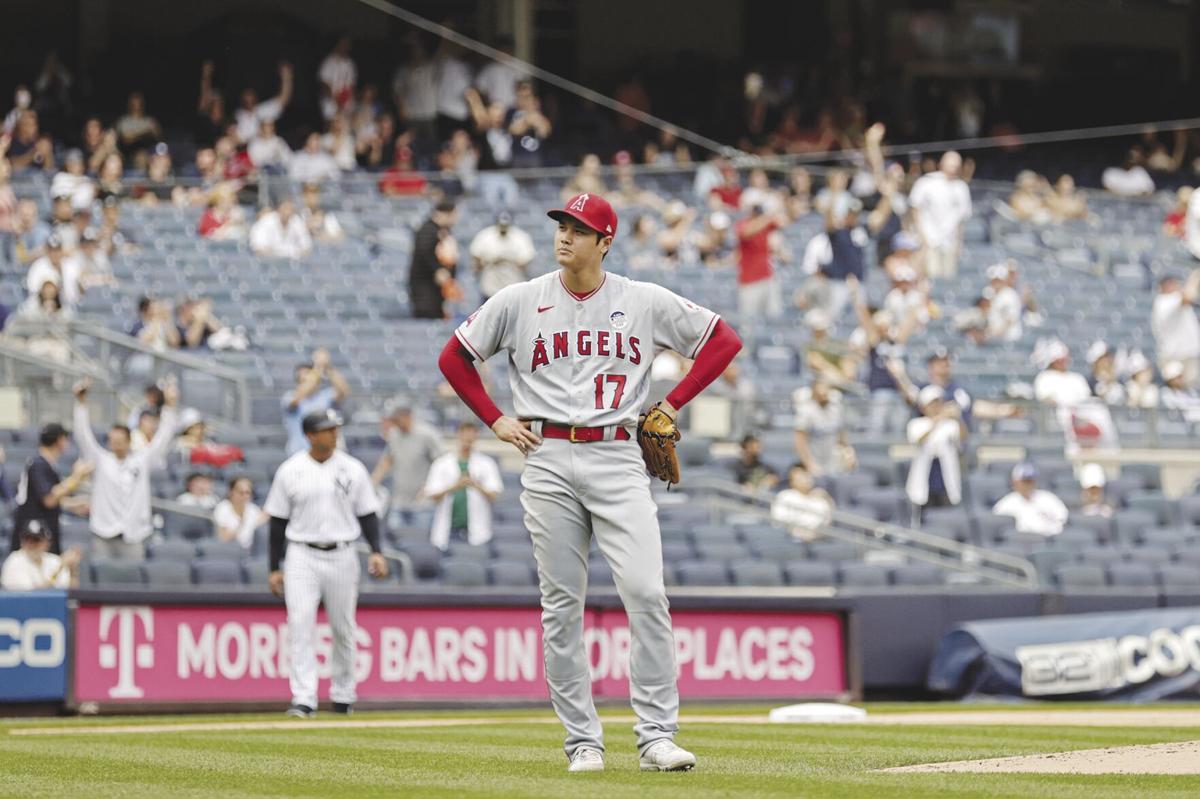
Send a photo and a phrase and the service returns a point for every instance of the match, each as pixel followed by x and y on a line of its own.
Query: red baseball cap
pixel 590 209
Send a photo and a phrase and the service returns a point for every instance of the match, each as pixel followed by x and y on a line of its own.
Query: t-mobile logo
pixel 126 655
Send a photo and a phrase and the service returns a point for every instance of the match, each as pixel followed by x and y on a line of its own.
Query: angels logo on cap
pixel 591 210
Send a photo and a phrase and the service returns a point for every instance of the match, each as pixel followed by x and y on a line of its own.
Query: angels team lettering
pixel 586 343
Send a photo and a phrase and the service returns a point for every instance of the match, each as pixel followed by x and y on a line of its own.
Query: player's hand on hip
pixel 377 565
pixel 275 581
pixel 516 433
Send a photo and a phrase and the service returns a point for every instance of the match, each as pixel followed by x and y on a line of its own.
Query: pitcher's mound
pixel 1173 758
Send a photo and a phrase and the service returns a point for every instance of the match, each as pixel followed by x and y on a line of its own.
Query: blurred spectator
pixel 237 517
pixel 412 447
pixel 908 298
pixel 52 89
pixel 152 400
pixel 939 433
pixel 1005 308
pixel 529 127
pixel 54 267
pixel 727 193
pixel 198 492
pixel 268 151
pixel 1035 510
pixel 120 504
pixel 821 440
pixel 1159 159
pixel 494 144
pixel 1104 382
pixel 29 233
pixel 311 396
pixel 199 327
pixel 749 471
pixel 831 258
pixel 1027 203
pixel 415 92
pixel 1055 384
pixel 338 77
pixel 323 225
pixel 155 328
pixel 313 164
pixel 136 131
pixel 147 425
pixel 453 80
pixel 223 219
pixel 431 273
pixel 251 113
pixel 941 205
pixel 22 101
pixel 759 193
pixel 73 182
pixel 110 178
pixel 1175 326
pixel 879 340
pixel 1177 395
pixel 28 149
pixel 281 233
pixel 377 147
pixel 458 160
pixel 627 192
pixel 712 240
pixel 835 199
pixel 830 359
pixel 98 143
pixel 364 117
pixel 940 372
pixel 502 254
pixel 1175 222
pixel 1086 421
pixel 1191 221
pixel 759 293
pixel 973 322
pixel 44 306
pixel 1130 179
pixel 211 117
pixel 1065 202
pixel 463 484
pixel 41 493
pixel 9 224
pixel 400 180
pixel 803 507
pixel 642 242
pixel 497 81
pixel 1091 499
pixel 586 180
pixel 339 143
pixel 114 239
pixel 674 241
pixel 32 567
pixel 160 184
pixel 799 192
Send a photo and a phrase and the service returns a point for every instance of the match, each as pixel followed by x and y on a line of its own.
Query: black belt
pixel 327 546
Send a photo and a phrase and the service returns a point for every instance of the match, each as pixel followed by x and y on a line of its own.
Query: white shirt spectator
pixel 249 120
pixel 1061 388
pixel 225 516
pixel 804 513
pixel 498 83
pixel 1132 182
pixel 20 573
pixel 824 425
pixel 453 80
pixel 270 237
pixel 1175 326
pixel 770 201
pixel 417 88
pixel 1004 315
pixel 42 271
pixel 339 72
pixel 121 488
pixel 313 167
pixel 900 304
pixel 504 257
pixel 943 205
pixel 342 150
pixel 1042 514
pixel 80 188
pixel 1191 225
pixel 204 501
pixel 444 473
pixel 273 151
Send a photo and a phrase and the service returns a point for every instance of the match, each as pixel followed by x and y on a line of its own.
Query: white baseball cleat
pixel 664 755
pixel 586 759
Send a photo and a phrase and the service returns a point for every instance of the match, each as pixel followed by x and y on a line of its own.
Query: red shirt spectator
pixel 400 180
pixel 729 192
pixel 754 251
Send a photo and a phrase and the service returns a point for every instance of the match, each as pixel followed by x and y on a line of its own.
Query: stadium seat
pixel 1189 510
pixel 1048 560
pixel 1177 579
pixel 1079 577
pixel 994 528
pixel 756 573
pixel 1131 575
pixel 216 572
pixel 515 574
pixel 835 551
pixel 862 575
pixel 1101 526
pixel 1104 556
pixel 698 572
pixel 167 573
pixel 464 551
pixel 600 574
pixel 255 572
pixel 464 573
pixel 117 572
pixel 721 551
pixel 917 574
pixel 214 549
pixel 513 550
pixel 1129 524
pixel 171 550
pixel 426 559
pixel 809 573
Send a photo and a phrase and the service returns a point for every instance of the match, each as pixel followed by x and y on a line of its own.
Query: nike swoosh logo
pixel 542 309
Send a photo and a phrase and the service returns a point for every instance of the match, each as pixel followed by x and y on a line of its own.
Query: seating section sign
pixel 166 653
pixel 33 646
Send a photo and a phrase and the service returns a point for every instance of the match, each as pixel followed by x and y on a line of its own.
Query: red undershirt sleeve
pixel 457 365
pixel 710 362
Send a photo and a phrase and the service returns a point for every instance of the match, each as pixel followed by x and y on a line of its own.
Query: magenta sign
pixel 179 653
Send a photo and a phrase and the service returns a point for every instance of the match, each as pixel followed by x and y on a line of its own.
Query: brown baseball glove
pixel 657 435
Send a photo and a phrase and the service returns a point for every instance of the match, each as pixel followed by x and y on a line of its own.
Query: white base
pixel 817 713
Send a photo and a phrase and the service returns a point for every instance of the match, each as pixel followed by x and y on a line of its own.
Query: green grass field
pixel 516 753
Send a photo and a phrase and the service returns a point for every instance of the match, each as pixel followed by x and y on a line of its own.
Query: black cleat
pixel 343 708
pixel 301 712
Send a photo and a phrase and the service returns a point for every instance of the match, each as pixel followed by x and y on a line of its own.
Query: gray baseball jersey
pixel 584 360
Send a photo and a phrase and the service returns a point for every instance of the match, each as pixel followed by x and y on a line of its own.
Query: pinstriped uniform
pixel 585 360
pixel 322 503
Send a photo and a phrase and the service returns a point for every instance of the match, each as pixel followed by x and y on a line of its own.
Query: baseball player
pixel 580 342
pixel 319 500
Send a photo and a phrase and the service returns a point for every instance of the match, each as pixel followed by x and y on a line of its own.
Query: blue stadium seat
pixel 1079 577
pixel 756 573
pixel 516 574
pixel 697 572
pixel 1131 575
pixel 863 575
pixel 464 573
pixel 167 573
pixel 216 572
pixel 1177 578
pixel 214 549
pixel 809 573
pixel 117 573
pixel 917 574
pixel 171 550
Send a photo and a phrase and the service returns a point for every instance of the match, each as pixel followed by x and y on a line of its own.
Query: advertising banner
pixel 33 646
pixel 177 653
pixel 1142 655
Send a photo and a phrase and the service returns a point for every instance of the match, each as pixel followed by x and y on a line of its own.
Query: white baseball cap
pixel 1092 476
pixel 1172 370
